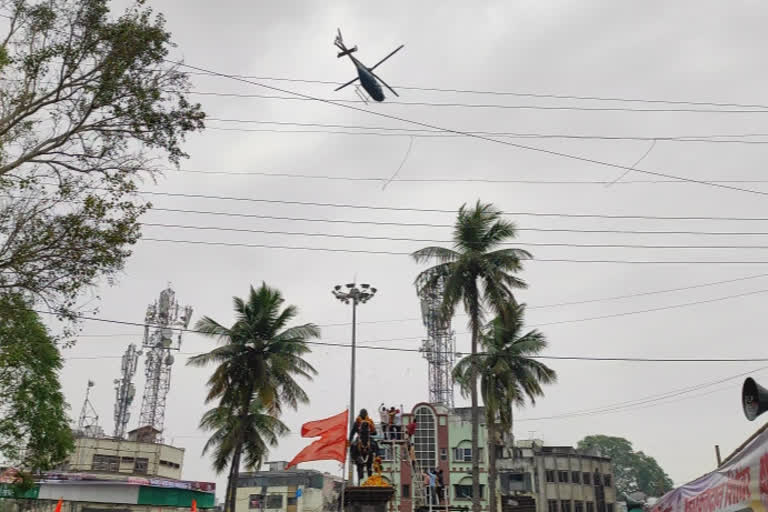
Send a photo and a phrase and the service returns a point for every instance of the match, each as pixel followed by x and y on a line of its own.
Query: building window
pixel 462 454
pixel 565 506
pixel 105 463
pixel 597 479
pixel 464 492
pixel 406 492
pixel 499 452
pixel 552 506
pixel 609 507
pixel 291 501
pixel 387 452
pixel 443 453
pixel 575 477
pixel 587 478
pixel 254 501
pixel 550 476
pixel 590 507
pixel 578 506
pixel 275 501
pixel 562 477
pixel 607 480
pixel 425 437
pixel 140 466
pixel 129 460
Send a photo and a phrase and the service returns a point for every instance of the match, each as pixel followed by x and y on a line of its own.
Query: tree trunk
pixel 234 474
pixel 229 488
pixel 491 464
pixel 475 427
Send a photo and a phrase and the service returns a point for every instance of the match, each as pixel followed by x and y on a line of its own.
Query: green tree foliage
pixel 508 376
pixel 633 471
pixel 89 107
pixel 34 429
pixel 257 363
pixel 478 273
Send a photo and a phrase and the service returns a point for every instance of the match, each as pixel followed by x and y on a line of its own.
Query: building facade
pixel 543 478
pixel 532 478
pixel 292 490
pixel 116 457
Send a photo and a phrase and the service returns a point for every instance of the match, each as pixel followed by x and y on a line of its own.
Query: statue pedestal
pixel 367 499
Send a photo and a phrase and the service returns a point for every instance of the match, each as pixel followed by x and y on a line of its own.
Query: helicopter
pixel 368 79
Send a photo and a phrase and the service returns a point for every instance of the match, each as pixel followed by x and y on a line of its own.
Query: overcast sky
pixel 690 51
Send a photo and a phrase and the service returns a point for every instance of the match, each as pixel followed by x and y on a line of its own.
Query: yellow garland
pixel 375 481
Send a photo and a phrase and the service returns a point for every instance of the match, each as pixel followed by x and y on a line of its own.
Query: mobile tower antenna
pixel 440 346
pixel 88 424
pixel 125 390
pixel 163 326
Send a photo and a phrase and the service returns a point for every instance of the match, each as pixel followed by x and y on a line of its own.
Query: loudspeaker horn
pixel 754 399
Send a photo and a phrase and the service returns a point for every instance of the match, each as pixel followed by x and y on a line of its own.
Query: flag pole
pixel 344 469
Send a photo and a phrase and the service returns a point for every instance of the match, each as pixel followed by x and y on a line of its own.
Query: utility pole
pixel 355 296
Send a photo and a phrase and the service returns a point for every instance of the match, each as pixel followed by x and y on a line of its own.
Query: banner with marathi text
pixel 739 485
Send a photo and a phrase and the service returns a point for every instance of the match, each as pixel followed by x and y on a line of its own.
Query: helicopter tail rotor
pixel 346 51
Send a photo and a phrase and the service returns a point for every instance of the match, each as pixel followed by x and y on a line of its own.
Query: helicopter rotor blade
pixel 385 58
pixel 348 83
pixel 385 84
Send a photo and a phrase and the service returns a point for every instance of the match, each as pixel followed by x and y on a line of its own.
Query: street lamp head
pixel 350 285
pixel 365 286
pixel 337 287
pixel 373 290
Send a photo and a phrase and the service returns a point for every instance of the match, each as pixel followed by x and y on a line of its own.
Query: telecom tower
pixel 439 348
pixel 162 318
pixel 125 390
pixel 88 424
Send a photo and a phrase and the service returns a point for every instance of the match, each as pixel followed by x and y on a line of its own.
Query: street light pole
pixel 355 296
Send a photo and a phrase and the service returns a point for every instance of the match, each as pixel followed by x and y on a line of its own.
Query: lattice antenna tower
pixel 125 391
pixel 439 349
pixel 88 423
pixel 163 326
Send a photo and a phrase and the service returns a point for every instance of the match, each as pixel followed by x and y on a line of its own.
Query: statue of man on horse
pixel 362 448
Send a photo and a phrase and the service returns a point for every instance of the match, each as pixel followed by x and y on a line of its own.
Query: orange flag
pixel 58 506
pixel 194 505
pixel 332 444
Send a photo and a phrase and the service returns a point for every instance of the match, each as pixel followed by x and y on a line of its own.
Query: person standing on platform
pixel 399 423
pixel 384 417
pixel 440 487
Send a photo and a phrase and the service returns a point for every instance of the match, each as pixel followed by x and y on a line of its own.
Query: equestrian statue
pixel 362 448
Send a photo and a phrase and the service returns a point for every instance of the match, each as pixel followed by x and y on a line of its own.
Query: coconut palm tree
pixel 257 363
pixel 508 377
pixel 478 272
pixel 257 431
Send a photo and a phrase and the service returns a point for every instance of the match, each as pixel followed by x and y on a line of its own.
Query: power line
pixel 743 138
pixel 378 179
pixel 500 106
pixel 435 225
pixel 427 240
pixel 570 358
pixel 436 135
pixel 402 253
pixel 416 350
pixel 481 137
pixel 508 93
pixel 540 306
pixel 438 210
pixel 647 399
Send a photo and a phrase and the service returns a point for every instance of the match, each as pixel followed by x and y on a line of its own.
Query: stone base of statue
pixel 367 498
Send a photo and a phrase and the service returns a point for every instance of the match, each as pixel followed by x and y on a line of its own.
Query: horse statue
pixel 363 449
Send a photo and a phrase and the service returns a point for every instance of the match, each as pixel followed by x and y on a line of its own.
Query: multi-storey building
pixel 532 478
pixel 292 490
